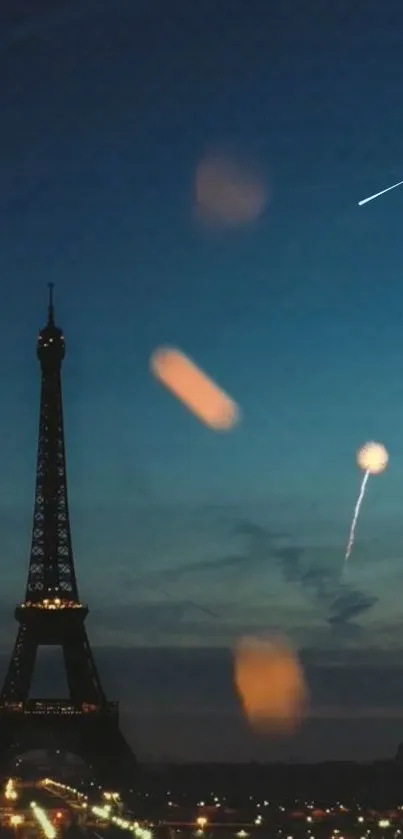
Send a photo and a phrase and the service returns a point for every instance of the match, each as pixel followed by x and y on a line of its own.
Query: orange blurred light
pixel 201 821
pixel 192 387
pixel 270 685
pixel 227 192
pixel 16 820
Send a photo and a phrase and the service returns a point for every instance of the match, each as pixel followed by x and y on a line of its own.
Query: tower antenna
pixel 51 318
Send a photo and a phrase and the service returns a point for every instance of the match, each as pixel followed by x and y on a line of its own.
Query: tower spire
pixel 51 312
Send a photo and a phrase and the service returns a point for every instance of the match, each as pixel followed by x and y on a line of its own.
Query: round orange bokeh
pixel 228 193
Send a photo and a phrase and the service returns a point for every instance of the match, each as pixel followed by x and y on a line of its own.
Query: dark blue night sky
pixel 106 111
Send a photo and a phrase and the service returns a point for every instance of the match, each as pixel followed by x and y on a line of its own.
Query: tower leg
pixel 21 668
pixel 82 675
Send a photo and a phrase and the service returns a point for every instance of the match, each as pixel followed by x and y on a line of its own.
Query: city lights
pixel 52 604
pixel 10 792
pixel 103 812
pixel 16 820
pixel 214 811
pixel 43 821
pixel 201 822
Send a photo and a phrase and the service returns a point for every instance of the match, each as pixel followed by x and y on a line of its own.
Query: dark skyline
pixel 106 114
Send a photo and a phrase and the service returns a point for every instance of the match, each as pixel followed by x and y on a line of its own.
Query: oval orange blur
pixel 194 389
pixel 270 684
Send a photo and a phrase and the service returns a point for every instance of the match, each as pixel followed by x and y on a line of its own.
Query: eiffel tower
pixel 86 723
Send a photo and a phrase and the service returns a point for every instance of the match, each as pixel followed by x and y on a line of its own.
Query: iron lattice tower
pixel 52 613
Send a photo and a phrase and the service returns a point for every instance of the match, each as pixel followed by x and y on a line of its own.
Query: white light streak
pixel 356 514
pixel 377 194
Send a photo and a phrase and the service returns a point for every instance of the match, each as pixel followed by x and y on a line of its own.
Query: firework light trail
pixel 378 194
pixel 372 459
pixel 360 499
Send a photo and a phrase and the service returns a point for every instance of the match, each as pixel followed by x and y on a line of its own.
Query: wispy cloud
pixel 257 547
pixel 349 604
pixel 256 552
pixel 175 622
pixel 341 602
